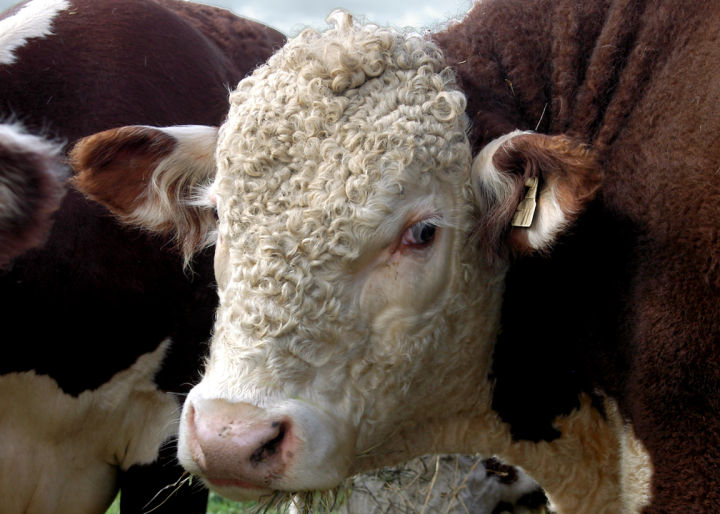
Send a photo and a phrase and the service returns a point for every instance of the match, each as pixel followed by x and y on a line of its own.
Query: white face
pixel 355 316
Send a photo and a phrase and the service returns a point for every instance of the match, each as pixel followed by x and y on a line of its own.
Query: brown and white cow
pixel 103 329
pixel 381 298
pixel 32 184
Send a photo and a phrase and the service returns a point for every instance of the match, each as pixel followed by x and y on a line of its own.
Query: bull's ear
pixel 532 187
pixel 150 177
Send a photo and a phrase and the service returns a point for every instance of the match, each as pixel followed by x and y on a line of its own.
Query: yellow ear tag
pixel 526 209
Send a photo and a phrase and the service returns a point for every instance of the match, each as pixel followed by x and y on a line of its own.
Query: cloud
pixel 291 16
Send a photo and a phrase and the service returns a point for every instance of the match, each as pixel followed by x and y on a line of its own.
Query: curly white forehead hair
pixel 337 108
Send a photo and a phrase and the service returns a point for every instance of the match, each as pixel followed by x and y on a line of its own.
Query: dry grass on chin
pixel 437 484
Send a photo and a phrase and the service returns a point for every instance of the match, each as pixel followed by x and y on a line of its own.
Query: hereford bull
pixel 103 329
pixel 32 183
pixel 555 302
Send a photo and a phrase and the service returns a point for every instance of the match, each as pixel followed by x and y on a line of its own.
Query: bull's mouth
pixel 237 489
pixel 231 482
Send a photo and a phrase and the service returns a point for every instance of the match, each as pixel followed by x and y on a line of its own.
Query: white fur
pixel 489 184
pixel 14 139
pixel 636 472
pixel 14 136
pixel 34 20
pixel 636 468
pixel 192 161
pixel 10 203
pixel 61 454
pixel 492 186
pixel 550 220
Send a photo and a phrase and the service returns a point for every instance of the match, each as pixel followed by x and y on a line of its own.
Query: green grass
pixel 219 505
pixel 115 507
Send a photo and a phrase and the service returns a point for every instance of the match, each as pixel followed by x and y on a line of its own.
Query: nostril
pixel 237 441
pixel 269 448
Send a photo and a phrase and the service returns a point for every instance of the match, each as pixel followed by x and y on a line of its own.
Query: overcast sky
pixel 291 16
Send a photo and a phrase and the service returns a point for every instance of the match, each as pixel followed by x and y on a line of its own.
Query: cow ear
pixel 531 188
pixel 152 178
pixel 32 185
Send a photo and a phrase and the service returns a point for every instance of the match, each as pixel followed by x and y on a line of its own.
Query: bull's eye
pixel 215 213
pixel 421 233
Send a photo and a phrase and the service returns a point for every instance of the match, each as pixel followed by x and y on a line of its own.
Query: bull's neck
pixel 555 66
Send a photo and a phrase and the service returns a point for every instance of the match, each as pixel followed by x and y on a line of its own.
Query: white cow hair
pixel 318 146
pixel 493 186
pixel 65 451
pixel 34 20
pixel 636 467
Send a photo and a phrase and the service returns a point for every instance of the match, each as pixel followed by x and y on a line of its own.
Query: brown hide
pixel 629 302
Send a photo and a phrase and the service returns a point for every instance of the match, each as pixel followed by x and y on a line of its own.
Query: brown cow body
pixel 627 304
pixel 103 330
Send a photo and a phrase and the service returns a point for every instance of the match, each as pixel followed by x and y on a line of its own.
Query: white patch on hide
pixel 636 467
pixel 579 470
pixel 636 472
pixel 32 21
pixel 61 454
